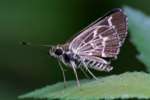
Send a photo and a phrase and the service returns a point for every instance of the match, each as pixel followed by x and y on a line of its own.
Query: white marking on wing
pixel 109 21
pixel 75 51
pixel 92 44
pixel 95 31
pixel 84 38
pixel 96 66
pixel 99 67
pixel 109 68
pixel 93 63
pixel 90 53
pixel 91 41
pixel 104 44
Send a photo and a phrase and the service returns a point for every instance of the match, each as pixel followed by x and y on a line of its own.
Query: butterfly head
pixel 56 51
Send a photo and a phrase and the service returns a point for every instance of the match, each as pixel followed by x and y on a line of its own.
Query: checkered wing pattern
pixel 102 38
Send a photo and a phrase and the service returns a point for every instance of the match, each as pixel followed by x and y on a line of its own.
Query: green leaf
pixel 127 85
pixel 139 26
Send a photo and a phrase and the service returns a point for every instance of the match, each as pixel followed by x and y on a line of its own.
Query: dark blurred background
pixel 23 69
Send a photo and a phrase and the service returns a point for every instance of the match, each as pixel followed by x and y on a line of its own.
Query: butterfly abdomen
pixel 98 66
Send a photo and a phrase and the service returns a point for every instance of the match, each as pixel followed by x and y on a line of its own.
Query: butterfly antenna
pixel 29 44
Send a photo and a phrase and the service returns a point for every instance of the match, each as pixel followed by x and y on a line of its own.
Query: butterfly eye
pixel 58 52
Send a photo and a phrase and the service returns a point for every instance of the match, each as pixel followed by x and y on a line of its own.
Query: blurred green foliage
pixel 124 86
pixel 50 22
pixel 140 34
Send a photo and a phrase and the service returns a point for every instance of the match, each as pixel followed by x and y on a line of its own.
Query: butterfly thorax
pixel 62 52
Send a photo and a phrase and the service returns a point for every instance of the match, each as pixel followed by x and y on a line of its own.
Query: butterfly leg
pixel 63 73
pixel 89 71
pixel 85 74
pixel 83 71
pixel 75 72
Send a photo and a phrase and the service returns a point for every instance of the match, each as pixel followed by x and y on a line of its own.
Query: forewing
pixel 105 43
pixel 104 37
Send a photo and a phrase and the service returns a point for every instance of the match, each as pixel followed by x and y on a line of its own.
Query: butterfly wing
pixel 103 38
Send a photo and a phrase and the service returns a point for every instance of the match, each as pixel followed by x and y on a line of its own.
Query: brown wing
pixel 104 37
pixel 104 43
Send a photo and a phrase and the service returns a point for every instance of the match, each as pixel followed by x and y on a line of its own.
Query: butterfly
pixel 95 46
